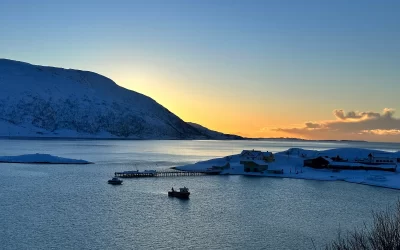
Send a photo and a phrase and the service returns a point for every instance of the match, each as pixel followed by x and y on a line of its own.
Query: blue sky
pixel 263 64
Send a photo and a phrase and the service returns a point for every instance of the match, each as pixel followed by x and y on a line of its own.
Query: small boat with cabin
pixel 183 193
pixel 115 181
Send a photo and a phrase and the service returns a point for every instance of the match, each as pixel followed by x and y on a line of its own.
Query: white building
pixel 379 158
pixel 383 159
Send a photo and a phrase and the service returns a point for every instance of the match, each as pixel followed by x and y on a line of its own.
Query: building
pixel 269 157
pixel 378 158
pixel 251 155
pixel 319 162
pixel 383 159
pixel 362 166
pixel 255 160
pixel 255 166
pixel 378 163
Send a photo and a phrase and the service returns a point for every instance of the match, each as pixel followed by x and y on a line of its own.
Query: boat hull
pixel 115 182
pixel 181 195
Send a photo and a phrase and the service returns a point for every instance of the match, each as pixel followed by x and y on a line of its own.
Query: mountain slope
pixel 214 134
pixel 39 101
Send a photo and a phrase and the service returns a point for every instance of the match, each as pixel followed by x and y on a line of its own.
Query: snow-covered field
pixel 40 158
pixel 291 162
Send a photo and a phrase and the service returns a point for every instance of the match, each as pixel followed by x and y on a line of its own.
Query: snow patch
pixel 40 158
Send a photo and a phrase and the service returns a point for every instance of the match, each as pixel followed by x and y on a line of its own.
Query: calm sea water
pixel 73 207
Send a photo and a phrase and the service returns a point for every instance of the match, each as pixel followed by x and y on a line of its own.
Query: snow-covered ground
pixel 40 158
pixel 291 162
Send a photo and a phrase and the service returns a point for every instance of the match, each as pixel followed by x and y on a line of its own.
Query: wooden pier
pixel 165 173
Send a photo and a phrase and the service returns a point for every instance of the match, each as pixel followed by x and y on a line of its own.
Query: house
pixel 383 159
pixel 378 158
pixel 251 155
pixel 328 163
pixel 255 166
pixel 319 162
pixel 269 157
pixel 248 155
pixel 255 160
pixel 361 166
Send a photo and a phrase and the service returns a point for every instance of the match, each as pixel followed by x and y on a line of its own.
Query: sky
pixel 312 69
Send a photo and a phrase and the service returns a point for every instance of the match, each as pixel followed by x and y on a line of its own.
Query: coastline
pixel 292 166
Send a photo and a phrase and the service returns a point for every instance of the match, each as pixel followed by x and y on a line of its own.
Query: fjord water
pixel 73 207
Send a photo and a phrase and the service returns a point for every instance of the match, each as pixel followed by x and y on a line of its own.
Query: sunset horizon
pixel 212 124
pixel 349 122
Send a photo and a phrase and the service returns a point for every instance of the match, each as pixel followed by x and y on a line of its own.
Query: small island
pixel 355 165
pixel 40 159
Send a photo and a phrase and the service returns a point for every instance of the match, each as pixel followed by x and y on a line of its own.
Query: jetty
pixel 163 173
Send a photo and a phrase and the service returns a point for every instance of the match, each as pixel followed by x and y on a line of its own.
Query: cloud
pixel 382 131
pixel 351 125
pixel 388 112
pixel 312 125
pixel 340 114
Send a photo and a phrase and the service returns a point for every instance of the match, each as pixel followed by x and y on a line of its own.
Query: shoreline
pixel 174 139
pixel 292 165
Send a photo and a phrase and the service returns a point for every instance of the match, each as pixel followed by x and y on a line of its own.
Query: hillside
pixel 39 101
pixel 214 134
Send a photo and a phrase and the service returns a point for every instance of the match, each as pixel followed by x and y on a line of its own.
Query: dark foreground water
pixel 73 207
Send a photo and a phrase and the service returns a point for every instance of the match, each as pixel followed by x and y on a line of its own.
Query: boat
pixel 183 193
pixel 115 181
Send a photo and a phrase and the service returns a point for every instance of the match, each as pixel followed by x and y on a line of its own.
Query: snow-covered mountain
pixel 214 134
pixel 39 101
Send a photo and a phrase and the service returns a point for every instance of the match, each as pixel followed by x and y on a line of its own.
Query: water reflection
pixel 48 206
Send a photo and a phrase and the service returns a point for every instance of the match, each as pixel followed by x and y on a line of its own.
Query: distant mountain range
pixel 300 139
pixel 48 102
